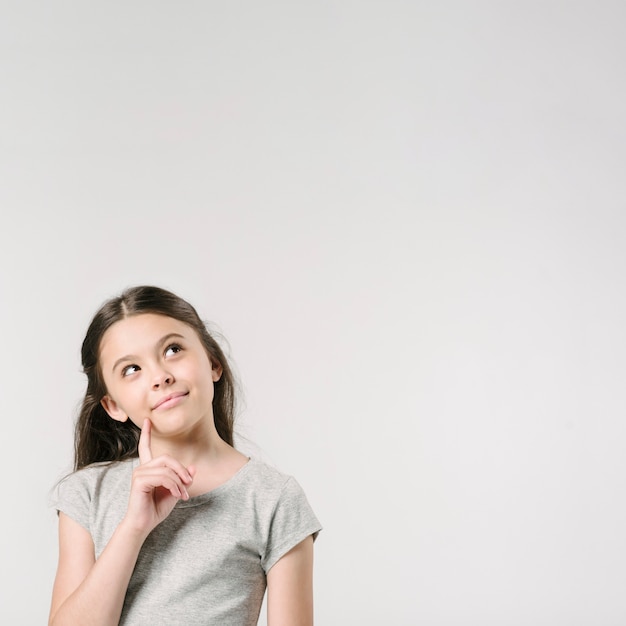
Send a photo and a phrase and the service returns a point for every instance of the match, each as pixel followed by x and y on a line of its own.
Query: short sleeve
pixel 72 496
pixel 292 521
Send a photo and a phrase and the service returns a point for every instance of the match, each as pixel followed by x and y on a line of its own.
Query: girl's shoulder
pixel 265 475
pixel 99 471
pixel 92 490
pixel 281 504
pixel 83 483
pixel 270 484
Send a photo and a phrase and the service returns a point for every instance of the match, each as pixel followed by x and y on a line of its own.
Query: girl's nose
pixel 162 379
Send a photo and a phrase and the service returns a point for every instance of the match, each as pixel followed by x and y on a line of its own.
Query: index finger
pixel 145 453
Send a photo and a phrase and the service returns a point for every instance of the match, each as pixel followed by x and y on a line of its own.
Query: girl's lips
pixel 169 401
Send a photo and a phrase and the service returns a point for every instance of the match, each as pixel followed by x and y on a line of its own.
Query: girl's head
pixel 100 437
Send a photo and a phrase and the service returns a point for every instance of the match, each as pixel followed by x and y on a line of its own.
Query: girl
pixel 163 521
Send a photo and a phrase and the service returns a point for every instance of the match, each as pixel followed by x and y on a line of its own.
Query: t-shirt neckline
pixel 213 493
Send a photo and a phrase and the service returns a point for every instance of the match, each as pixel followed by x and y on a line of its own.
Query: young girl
pixel 163 521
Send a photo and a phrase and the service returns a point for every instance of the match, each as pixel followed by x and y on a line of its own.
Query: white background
pixel 408 220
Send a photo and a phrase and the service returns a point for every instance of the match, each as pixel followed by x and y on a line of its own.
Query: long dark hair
pixel 98 437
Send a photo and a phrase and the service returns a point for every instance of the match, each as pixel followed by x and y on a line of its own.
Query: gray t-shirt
pixel 206 563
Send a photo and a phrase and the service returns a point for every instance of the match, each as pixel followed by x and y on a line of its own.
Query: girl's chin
pixel 175 425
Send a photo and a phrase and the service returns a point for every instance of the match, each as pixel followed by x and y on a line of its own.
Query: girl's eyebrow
pixel 128 357
pixel 169 336
pixel 132 357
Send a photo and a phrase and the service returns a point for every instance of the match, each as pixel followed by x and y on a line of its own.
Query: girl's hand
pixel 156 487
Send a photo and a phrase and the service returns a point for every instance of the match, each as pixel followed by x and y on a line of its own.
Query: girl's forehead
pixel 141 331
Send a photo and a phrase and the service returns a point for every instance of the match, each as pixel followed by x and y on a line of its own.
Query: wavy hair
pixel 98 437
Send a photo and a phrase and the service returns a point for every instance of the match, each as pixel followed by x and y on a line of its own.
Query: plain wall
pixel 407 219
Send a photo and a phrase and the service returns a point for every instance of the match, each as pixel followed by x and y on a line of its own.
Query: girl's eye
pixel 173 349
pixel 130 369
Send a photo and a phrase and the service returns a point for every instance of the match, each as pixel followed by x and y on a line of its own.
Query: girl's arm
pixel 86 591
pixel 290 587
pixel 91 592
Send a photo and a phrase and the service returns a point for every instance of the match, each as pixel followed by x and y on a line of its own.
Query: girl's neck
pixel 193 448
pixel 210 473
pixel 214 461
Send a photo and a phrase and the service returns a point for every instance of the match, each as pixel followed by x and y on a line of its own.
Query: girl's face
pixel 156 367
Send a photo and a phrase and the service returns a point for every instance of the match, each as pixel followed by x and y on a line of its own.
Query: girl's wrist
pixel 132 532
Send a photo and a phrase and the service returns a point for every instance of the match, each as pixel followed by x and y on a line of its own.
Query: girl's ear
pixel 112 408
pixel 217 370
